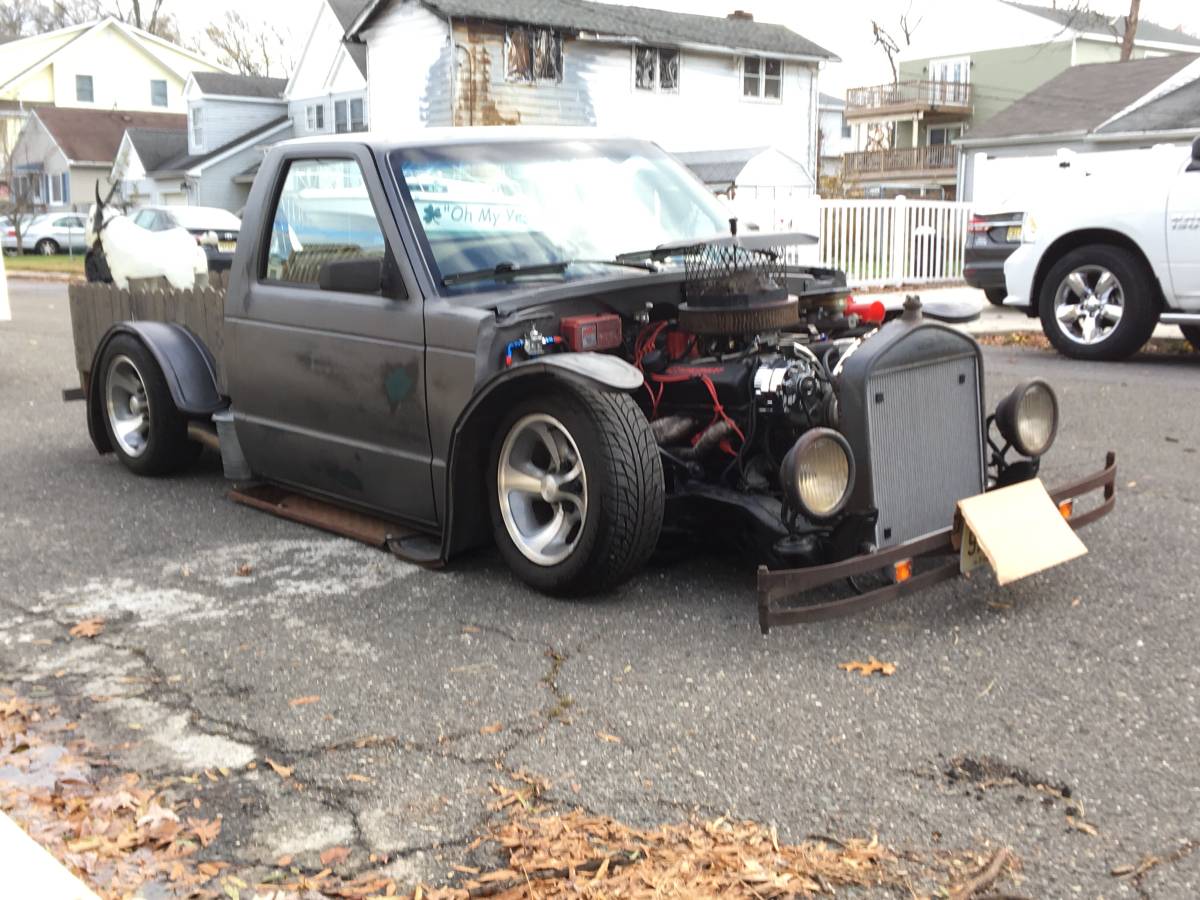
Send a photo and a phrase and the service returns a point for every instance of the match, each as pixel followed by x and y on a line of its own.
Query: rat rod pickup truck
pixel 560 343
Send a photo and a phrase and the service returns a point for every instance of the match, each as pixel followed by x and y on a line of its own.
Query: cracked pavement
pixel 1085 676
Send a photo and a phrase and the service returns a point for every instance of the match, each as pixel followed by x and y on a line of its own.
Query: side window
pixel 323 215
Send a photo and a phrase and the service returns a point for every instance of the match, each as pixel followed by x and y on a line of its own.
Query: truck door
pixel 326 375
pixel 1183 236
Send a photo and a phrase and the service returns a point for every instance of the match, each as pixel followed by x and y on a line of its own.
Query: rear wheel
pixel 1098 303
pixel 47 247
pixel 996 296
pixel 576 491
pixel 1192 333
pixel 147 432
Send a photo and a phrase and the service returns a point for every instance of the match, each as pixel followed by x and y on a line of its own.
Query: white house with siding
pixel 688 82
pixel 327 93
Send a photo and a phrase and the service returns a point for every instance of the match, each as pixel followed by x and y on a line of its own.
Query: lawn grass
pixel 30 262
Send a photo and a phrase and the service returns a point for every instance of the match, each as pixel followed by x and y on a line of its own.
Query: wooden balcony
pixel 933 163
pixel 942 99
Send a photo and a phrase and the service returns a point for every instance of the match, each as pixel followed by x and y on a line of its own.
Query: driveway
pixel 650 705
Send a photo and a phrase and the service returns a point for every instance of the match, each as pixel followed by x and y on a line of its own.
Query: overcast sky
pixel 842 26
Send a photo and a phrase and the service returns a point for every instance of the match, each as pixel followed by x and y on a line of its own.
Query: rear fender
pixel 186 364
pixel 467 521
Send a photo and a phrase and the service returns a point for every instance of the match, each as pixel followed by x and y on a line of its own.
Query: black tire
pixel 996 296
pixel 624 490
pixel 1140 303
pixel 47 247
pixel 1192 334
pixel 166 448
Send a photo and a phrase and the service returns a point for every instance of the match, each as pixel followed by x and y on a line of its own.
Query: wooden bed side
pixel 97 307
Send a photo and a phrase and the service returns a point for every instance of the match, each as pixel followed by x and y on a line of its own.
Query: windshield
pixel 499 205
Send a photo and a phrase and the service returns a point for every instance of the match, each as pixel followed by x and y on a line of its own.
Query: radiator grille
pixel 926 445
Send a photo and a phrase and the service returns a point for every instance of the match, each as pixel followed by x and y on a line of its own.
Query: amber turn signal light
pixel 1067 509
pixel 902 571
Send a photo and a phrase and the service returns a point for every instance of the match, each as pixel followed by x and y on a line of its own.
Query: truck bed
pixel 97 307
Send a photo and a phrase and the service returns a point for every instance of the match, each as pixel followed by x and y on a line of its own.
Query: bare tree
pixel 250 49
pixel 891 45
pixel 20 207
pixel 1131 27
pixel 22 18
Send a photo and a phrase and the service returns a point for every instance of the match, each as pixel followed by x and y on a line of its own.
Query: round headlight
pixel 818 473
pixel 1028 417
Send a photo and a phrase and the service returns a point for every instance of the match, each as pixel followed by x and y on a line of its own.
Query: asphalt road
pixel 1085 677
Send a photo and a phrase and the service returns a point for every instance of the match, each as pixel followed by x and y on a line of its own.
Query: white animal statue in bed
pixel 135 252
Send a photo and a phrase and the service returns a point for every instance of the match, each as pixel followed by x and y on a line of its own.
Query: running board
pixel 405 543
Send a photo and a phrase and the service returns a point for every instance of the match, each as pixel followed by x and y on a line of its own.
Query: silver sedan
pixel 47 234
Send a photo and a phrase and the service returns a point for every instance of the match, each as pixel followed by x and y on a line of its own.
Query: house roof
pixel 225 84
pixel 1178 110
pixel 347 11
pixel 185 161
pixel 828 101
pixel 1089 22
pixel 155 146
pixel 94 135
pixel 647 25
pixel 1079 99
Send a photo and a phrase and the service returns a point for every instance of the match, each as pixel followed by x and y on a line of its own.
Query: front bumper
pixel 783 584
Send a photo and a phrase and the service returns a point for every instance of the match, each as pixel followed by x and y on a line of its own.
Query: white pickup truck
pixel 1105 261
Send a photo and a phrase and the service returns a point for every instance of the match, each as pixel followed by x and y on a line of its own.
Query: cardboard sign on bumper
pixel 1018 530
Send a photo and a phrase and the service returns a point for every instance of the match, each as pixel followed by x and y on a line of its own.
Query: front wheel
pixel 1192 333
pixel 46 247
pixel 1098 302
pixel 147 432
pixel 576 491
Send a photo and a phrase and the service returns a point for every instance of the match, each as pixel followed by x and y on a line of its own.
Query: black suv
pixel 991 239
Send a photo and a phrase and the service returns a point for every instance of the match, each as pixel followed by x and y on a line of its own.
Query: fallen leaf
pixel 206 830
pixel 281 771
pixel 1075 601
pixel 304 701
pixel 608 738
pixel 1082 826
pixel 870 667
pixel 156 815
pixel 1122 871
pixel 284 861
pixel 334 855
pixel 245 570
pixel 354 776
pixel 88 628
pixel 470 629
pixel 494 728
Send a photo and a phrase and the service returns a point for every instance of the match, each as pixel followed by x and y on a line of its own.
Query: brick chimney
pixel 742 15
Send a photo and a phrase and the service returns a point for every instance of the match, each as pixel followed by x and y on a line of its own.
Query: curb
pixel 31 871
pixel 63 277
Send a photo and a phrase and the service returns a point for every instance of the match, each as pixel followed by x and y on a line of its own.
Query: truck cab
pixel 1105 262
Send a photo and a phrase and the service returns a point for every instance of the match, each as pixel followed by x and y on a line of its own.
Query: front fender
pixel 466 518
pixel 186 364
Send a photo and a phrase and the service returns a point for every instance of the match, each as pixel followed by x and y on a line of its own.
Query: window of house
pixel 158 92
pixel 358 117
pixel 847 130
pixel 532 54
pixel 198 127
pixel 940 137
pixel 323 215
pixel 341 118
pixel 314 116
pixel 55 185
pixel 762 77
pixel 655 69
pixel 84 92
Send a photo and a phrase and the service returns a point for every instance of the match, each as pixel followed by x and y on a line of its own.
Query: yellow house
pixel 102 65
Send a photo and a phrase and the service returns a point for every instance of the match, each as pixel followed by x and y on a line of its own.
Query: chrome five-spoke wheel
pixel 1089 304
pixel 128 406
pixel 542 488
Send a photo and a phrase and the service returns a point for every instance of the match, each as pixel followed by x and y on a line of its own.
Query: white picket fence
pixel 894 242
